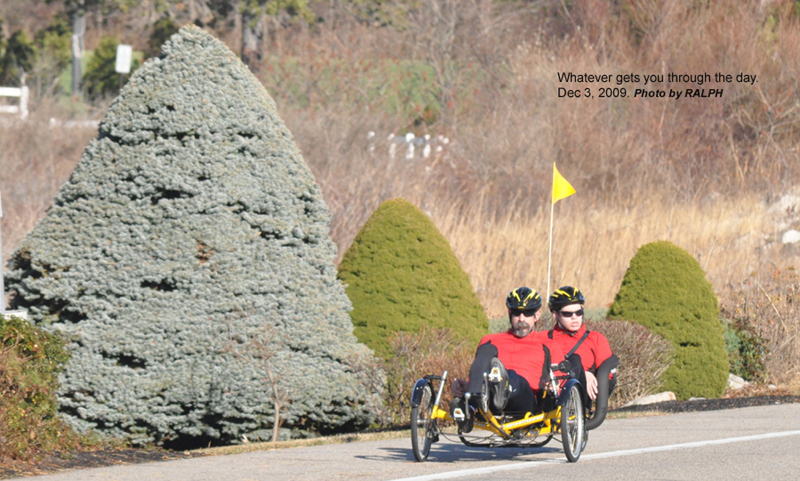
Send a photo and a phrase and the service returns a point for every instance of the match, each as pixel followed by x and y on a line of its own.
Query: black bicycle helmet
pixel 564 296
pixel 524 299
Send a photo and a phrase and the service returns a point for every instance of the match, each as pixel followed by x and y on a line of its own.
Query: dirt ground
pixel 108 457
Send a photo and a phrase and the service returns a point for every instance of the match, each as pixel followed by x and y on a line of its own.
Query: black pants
pixel 521 398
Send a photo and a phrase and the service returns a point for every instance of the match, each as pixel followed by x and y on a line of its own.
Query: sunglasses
pixel 566 314
pixel 527 312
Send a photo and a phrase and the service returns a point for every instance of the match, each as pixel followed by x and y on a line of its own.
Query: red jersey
pixel 526 356
pixel 593 350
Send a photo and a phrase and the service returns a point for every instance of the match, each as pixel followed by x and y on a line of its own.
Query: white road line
pixel 589 457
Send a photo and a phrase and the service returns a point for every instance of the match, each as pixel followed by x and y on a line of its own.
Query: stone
pixel 735 382
pixel 790 237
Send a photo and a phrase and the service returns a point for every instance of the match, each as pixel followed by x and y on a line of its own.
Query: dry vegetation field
pixel 701 173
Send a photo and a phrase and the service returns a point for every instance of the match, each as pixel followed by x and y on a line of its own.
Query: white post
pixel 23 102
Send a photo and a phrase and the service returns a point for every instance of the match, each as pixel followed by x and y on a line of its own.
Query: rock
pixel 787 204
pixel 772 387
pixel 735 382
pixel 697 398
pixel 652 399
pixel 790 237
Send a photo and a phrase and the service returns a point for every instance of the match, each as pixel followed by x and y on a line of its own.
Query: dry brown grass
pixel 35 160
pixel 592 244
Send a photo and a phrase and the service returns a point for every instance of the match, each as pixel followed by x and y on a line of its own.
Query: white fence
pixel 409 142
pixel 22 94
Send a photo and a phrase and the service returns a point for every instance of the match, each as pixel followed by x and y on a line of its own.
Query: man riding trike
pixel 521 391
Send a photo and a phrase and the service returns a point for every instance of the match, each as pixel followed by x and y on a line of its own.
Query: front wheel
pixel 572 425
pixel 422 426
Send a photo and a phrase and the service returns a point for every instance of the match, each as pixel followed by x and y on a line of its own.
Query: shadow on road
pixel 452 453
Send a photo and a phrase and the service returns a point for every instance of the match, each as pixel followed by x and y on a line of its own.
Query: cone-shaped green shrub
pixel 191 224
pixel 666 290
pixel 402 274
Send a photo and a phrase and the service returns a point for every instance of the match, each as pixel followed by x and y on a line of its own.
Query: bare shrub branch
pixel 259 350
pixel 643 358
pixel 416 354
pixel 768 304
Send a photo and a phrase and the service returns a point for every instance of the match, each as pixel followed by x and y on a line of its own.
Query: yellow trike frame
pixel 503 431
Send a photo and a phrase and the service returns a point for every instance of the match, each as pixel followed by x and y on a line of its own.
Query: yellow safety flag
pixel 561 188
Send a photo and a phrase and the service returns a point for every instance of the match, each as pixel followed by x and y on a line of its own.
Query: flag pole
pixel 561 190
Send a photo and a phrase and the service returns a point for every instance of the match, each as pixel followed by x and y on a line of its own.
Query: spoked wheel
pixel 423 428
pixel 572 425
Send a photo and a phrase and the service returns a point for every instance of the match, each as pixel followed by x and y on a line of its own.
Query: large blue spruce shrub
pixel 192 224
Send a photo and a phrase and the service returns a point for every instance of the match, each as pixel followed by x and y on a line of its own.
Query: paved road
pixel 749 443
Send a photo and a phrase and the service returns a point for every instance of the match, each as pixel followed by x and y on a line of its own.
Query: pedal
pixel 458 415
pixel 495 376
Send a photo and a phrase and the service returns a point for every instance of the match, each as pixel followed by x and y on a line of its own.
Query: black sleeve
pixel 545 368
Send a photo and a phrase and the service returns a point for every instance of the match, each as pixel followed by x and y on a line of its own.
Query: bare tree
pixel 260 351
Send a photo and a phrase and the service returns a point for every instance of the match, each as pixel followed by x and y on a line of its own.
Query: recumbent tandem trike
pixel 565 414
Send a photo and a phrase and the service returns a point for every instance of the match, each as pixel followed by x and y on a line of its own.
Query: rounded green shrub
pixel 190 225
pixel 666 290
pixel 402 274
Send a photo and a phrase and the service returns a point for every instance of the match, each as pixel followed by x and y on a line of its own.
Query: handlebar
pixel 602 392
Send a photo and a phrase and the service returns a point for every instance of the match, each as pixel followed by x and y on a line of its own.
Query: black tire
pixel 572 424
pixel 585 438
pixel 423 428
pixel 541 443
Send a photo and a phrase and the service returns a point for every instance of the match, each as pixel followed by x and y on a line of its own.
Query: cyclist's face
pixel 522 322
pixel 569 318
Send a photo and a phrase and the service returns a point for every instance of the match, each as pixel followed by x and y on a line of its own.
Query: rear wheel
pixel 539 444
pixel 422 426
pixel 572 425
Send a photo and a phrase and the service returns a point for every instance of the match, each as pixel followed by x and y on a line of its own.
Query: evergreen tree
pixel 192 224
pixel 666 290
pixel 17 59
pixel 402 274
